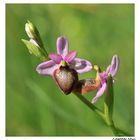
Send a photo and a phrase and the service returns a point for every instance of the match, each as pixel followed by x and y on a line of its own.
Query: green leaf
pixel 109 101
pixel 35 50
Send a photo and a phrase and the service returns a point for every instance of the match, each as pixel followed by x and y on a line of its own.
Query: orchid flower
pixel 112 69
pixel 63 55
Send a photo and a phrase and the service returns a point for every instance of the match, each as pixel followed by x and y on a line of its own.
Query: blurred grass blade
pixel 42 96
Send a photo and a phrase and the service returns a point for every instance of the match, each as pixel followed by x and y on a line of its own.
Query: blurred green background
pixel 34 104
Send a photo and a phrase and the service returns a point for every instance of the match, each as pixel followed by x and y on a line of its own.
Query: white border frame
pixel 2 66
pixel 2 71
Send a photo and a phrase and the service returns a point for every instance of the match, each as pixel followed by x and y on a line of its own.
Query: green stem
pixel 90 105
pixel 122 133
pixel 116 131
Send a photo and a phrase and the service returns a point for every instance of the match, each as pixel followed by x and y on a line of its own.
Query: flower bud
pixel 31 30
pixel 66 78
pixel 34 49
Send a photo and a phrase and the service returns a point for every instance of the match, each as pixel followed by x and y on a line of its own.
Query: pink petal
pixel 70 56
pixel 56 58
pixel 62 46
pixel 108 69
pixel 81 65
pixel 103 77
pixel 47 68
pixel 99 93
pixel 114 65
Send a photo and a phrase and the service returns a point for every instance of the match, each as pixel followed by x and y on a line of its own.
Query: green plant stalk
pixel 108 108
pixel 109 122
pixel 118 132
pixel 90 105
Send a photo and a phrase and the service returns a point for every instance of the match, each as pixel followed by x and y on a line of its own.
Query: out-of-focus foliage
pixel 34 104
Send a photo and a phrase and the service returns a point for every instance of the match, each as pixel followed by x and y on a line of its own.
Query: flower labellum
pixel 66 78
pixel 87 85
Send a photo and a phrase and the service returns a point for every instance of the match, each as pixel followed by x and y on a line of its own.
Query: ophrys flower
pixel 103 76
pixel 64 61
